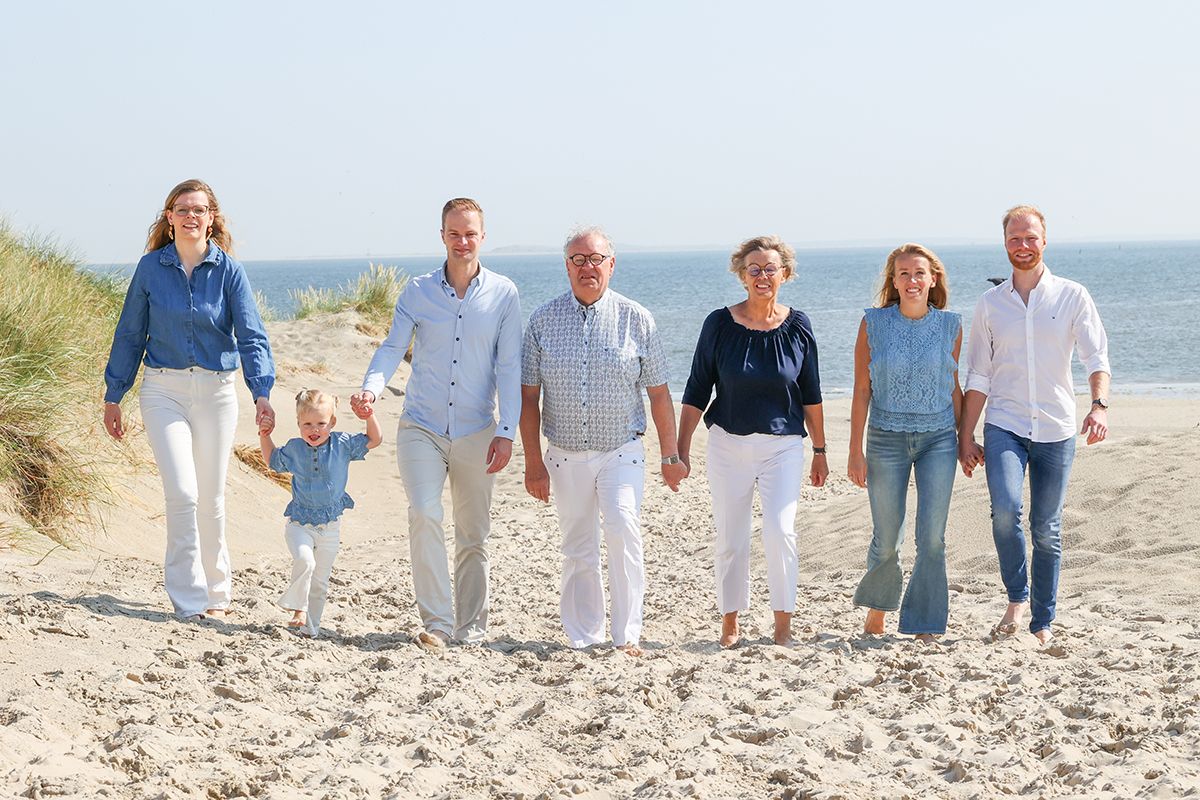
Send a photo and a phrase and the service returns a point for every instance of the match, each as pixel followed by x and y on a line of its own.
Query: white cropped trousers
pixel 190 416
pixel 735 465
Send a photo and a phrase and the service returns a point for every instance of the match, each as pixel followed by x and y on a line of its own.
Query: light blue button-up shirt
pixel 209 321
pixel 319 475
pixel 466 354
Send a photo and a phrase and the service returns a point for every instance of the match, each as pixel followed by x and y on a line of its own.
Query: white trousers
pixel 313 548
pixel 589 487
pixel 735 465
pixel 425 460
pixel 190 416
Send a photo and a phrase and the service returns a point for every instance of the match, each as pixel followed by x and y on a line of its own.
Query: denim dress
pixel 319 475
pixel 911 429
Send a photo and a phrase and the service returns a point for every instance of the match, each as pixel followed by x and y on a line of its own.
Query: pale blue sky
pixel 339 129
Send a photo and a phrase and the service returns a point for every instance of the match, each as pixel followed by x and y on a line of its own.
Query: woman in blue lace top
pixel 906 374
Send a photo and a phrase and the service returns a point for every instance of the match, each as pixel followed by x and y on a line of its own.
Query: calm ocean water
pixel 1146 293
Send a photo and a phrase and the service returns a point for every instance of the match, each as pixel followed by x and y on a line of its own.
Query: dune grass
pixel 373 294
pixel 56 325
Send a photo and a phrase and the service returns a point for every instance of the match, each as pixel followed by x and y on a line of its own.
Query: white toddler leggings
pixel 313 548
pixel 190 416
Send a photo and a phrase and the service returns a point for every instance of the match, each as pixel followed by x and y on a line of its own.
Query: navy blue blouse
pixel 763 379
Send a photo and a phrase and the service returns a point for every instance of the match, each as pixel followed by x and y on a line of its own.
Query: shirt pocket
pixel 618 366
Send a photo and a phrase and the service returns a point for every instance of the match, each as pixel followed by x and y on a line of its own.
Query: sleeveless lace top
pixel 912 369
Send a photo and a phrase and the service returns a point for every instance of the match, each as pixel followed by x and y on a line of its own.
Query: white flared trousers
pixel 594 492
pixel 313 549
pixel 735 465
pixel 190 416
pixel 426 460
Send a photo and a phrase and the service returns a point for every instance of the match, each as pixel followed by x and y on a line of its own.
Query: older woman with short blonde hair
pixel 760 357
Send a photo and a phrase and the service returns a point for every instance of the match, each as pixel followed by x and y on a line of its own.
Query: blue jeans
pixel 892 456
pixel 1006 457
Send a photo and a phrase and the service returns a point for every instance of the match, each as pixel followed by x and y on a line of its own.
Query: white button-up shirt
pixel 1020 355
pixel 466 353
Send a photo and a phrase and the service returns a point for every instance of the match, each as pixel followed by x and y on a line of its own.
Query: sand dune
pixel 106 695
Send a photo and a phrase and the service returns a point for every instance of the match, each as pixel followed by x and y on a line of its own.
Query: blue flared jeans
pixel 892 457
pixel 1007 456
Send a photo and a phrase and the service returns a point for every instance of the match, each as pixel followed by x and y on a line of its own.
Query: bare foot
pixel 299 620
pixel 730 632
pixel 217 613
pixel 434 641
pixel 1044 635
pixel 1009 623
pixel 874 623
pixel 926 638
pixel 783 628
pixel 630 650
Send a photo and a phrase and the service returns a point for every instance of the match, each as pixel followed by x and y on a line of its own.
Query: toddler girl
pixel 319 462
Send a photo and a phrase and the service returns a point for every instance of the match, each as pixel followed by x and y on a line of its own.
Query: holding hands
pixel 970 455
pixel 362 404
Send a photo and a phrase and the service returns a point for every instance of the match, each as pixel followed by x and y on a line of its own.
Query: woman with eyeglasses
pixel 906 376
pixel 191 318
pixel 761 358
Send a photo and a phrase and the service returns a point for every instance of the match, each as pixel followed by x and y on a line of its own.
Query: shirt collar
pixel 169 255
pixel 580 308
pixel 476 281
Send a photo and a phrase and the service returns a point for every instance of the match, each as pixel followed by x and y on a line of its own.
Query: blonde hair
pixel 1025 211
pixel 939 293
pixel 161 234
pixel 787 256
pixel 461 204
pixel 315 400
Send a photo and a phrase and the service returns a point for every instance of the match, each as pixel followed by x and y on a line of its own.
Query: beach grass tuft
pixel 56 325
pixel 373 294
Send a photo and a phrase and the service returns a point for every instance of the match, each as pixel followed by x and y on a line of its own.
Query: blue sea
pixel 1146 294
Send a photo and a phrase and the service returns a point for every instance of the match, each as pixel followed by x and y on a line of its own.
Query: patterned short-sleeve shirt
pixel 592 363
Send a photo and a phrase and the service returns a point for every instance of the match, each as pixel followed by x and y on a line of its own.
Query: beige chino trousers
pixel 425 460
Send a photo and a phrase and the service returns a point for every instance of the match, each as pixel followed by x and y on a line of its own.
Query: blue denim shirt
pixel 176 323
pixel 319 475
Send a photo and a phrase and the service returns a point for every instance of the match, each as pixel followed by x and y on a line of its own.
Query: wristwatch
pixel 818 451
pixel 1102 402
pixel 671 460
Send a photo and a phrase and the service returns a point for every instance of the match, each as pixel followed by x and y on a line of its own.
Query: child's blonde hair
pixel 315 400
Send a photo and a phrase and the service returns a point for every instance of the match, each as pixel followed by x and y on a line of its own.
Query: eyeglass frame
pixel 770 270
pixel 588 259
pixel 191 211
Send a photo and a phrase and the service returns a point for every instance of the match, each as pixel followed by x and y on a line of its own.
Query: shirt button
pixel 456 339
pixel 451 383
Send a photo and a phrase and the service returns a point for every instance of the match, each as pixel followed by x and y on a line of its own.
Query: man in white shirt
pixel 464 322
pixel 1019 364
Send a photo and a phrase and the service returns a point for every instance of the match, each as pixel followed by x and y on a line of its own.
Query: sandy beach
pixel 105 694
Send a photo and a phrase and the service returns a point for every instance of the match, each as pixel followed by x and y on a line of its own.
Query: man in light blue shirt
pixel 464 323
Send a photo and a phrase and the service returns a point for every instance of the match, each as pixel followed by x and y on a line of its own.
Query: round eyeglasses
pixel 595 259
pixel 754 270
pixel 183 211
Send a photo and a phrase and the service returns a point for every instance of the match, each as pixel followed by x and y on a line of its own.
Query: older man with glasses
pixel 590 352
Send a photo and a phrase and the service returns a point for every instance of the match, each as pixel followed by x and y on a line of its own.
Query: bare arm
pixel 1095 424
pixel 856 464
pixel 266 445
pixel 814 421
pixel 956 398
pixel 689 418
pixel 970 454
pixel 537 478
pixel 662 410
pixel 374 434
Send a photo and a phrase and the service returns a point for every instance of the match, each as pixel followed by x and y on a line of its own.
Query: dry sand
pixel 104 694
